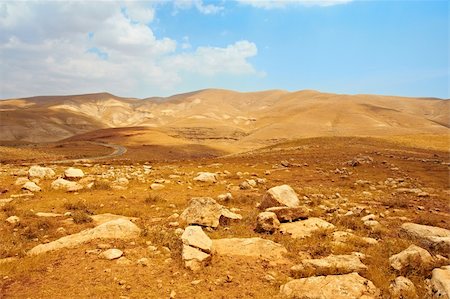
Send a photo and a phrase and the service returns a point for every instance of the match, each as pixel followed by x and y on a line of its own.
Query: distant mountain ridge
pixel 235 116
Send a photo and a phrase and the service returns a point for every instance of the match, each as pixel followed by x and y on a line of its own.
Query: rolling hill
pixel 222 117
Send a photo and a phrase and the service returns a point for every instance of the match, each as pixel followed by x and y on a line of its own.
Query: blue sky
pixel 144 49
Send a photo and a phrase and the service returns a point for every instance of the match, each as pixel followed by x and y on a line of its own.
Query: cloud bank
pixel 75 47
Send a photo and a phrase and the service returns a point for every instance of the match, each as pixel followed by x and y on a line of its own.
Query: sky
pixel 160 48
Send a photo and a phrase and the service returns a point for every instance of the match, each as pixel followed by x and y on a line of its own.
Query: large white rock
pixel 436 237
pixel 348 286
pixel 249 247
pixel 206 211
pixel 280 196
pixel 69 186
pixel 440 282
pixel 194 258
pixel 401 288
pixel 411 257
pixel 332 264
pixel 195 236
pixel 20 181
pixel 267 222
pixel 73 173
pixel 156 186
pixel 41 172
pixel 106 217
pixel 116 229
pixel 305 228
pixel 31 186
pixel 207 177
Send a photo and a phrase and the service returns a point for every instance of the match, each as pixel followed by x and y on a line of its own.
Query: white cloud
pixel 272 4
pixel 77 47
pixel 207 9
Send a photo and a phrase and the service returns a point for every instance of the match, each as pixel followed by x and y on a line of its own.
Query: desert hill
pixel 224 116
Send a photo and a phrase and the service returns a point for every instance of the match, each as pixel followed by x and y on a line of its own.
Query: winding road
pixel 118 151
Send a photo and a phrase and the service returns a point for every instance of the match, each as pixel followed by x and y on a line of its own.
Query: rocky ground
pixel 317 218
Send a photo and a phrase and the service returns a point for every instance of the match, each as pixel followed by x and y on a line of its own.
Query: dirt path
pixel 118 151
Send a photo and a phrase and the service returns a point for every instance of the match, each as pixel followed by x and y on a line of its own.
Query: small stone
pixel 143 261
pixel 111 254
pixel 13 219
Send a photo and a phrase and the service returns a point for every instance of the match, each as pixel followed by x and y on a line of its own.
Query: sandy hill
pixel 224 116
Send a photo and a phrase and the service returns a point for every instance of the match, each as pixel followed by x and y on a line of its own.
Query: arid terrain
pixel 219 194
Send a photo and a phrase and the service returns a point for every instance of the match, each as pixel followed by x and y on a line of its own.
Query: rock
pixel 330 287
pixel 286 214
pixel 21 181
pixel 116 229
pixel 73 173
pixel 332 264
pixel 305 228
pixel 143 262
pixel 41 172
pixel 401 288
pixel 156 186
pixel 69 186
pixel 245 186
pixel 13 219
pixel 195 237
pixel 341 238
pixel 43 214
pixel 111 254
pixel 31 186
pixel 225 197
pixel 194 258
pixel 206 211
pixel 440 282
pixel 435 237
pixel 124 261
pixel 373 224
pixel 412 257
pixel 103 218
pixel 280 196
pixel 368 217
pixel 207 177
pixel 249 247
pixel 267 222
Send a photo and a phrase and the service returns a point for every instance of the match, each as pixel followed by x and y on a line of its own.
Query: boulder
pixel 207 177
pixel 13 219
pixel 267 222
pixel 73 173
pixel 412 257
pixel 401 288
pixel 41 172
pixel 111 254
pixel 225 197
pixel 206 211
pixel 20 181
pixel 69 186
pixel 194 258
pixel 332 264
pixel 195 237
pixel 435 237
pixel 286 214
pixel 31 186
pixel 156 186
pixel 116 229
pixel 341 238
pixel 249 247
pixel 305 228
pixel 106 217
pixel 346 286
pixel 280 196
pixel 440 282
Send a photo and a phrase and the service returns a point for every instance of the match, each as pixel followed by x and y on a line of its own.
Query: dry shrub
pixel 152 199
pixel 351 222
pixel 77 206
pixel 80 217
pixel 101 185
pixel 160 236
pixel 9 209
